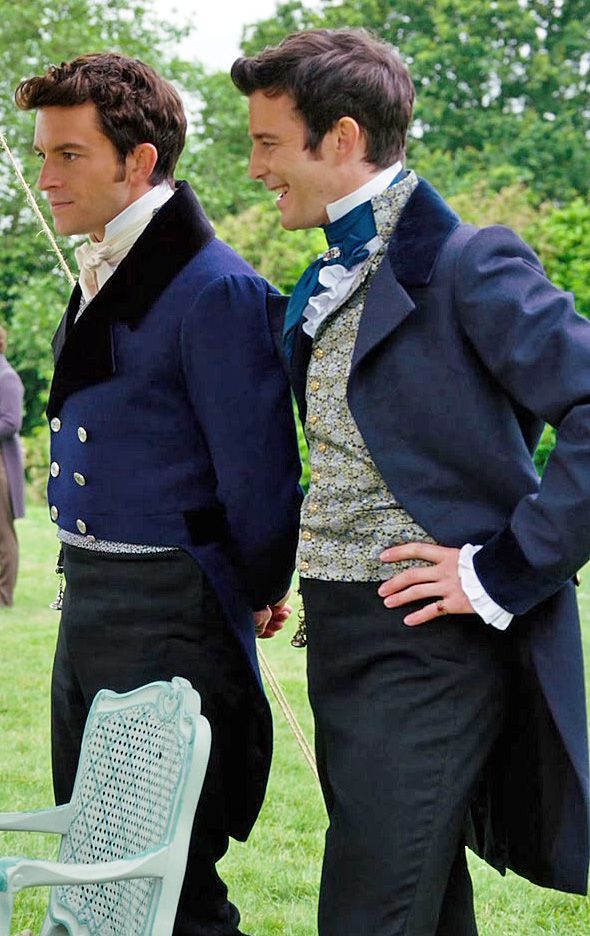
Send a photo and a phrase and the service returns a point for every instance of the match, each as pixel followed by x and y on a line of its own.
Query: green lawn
pixel 274 876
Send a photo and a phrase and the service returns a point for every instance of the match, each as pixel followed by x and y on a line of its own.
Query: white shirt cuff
pixel 483 605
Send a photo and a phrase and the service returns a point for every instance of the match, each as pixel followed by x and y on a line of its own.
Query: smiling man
pixel 174 463
pixel 444 659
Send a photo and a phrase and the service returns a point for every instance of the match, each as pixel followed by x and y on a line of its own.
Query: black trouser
pixel 128 620
pixel 405 719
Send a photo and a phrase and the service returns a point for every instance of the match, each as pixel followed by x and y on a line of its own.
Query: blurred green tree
pixel 505 82
pixel 33 35
pixel 279 255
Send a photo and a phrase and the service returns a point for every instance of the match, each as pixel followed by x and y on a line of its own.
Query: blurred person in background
pixel 12 504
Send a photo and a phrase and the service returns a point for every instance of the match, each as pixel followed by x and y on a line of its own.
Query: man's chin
pixel 62 227
pixel 68 230
pixel 293 224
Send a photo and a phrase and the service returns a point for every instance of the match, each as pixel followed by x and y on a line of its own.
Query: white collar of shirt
pixel 98 260
pixel 146 204
pixel 375 185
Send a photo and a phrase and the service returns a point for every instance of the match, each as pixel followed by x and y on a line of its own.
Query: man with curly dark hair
pixel 174 464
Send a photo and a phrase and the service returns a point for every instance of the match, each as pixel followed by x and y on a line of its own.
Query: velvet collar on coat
pixel 419 235
pixel 83 351
pixel 423 228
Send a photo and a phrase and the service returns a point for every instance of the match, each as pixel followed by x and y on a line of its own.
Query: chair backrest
pixel 142 764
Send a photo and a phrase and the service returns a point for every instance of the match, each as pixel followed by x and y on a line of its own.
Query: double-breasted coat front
pixel 171 425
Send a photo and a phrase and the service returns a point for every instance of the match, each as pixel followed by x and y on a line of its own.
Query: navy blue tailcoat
pixel 463 351
pixel 187 436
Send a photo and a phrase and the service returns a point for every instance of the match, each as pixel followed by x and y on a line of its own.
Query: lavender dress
pixel 11 404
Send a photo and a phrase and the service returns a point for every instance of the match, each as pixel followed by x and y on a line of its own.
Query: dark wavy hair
pixel 134 104
pixel 334 73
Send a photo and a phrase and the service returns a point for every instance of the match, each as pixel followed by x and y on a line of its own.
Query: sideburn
pixel 121 170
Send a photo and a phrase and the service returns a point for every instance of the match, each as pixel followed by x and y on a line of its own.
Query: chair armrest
pixel 16 873
pixel 55 819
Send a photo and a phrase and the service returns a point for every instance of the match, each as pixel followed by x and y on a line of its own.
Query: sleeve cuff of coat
pixel 509 578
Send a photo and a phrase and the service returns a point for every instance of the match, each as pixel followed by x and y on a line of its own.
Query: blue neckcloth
pixel 347 238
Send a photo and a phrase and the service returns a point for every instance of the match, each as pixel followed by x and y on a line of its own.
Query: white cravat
pixel 98 260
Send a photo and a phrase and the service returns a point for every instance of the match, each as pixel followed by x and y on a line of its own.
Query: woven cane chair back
pixel 142 765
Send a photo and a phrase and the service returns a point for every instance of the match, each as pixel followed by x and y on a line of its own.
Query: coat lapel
pixel 386 306
pixel 425 224
pixel 84 349
pixel 59 338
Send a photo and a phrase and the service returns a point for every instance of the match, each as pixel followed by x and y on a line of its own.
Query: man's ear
pixel 142 162
pixel 348 137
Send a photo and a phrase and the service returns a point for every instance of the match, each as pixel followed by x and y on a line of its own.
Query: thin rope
pixel 264 664
pixel 32 202
pixel 288 713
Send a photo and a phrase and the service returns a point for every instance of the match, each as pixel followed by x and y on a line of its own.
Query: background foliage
pixel 501 128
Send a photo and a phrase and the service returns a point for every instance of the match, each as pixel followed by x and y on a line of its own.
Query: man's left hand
pixel 439 581
pixel 261 620
pixel 270 620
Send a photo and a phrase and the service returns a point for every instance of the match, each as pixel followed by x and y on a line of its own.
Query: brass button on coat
pixel 55 424
pixel 313 420
pixel 54 469
pixel 54 513
pixel 322 447
pixel 306 536
pixel 79 478
pixel 304 566
pixel 318 354
pixel 82 434
pixel 81 526
pixel 314 385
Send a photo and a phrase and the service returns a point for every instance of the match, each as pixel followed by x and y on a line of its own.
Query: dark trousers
pixel 128 620
pixel 405 719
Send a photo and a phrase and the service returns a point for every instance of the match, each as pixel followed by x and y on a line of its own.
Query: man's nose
pixel 256 168
pixel 47 177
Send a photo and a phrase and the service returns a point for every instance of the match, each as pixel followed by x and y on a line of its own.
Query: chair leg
pixel 52 929
pixel 6 901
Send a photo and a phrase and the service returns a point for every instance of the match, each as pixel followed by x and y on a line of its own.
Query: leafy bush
pixel 562 239
pixel 279 255
pixel 36 449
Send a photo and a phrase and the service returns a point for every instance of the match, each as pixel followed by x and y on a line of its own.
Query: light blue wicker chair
pixel 126 831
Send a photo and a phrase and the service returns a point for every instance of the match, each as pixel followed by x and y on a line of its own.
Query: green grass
pixel 274 876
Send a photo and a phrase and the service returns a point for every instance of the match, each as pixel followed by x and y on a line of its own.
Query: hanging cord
pixel 299 638
pixel 264 665
pixel 58 602
pixel 36 210
pixel 288 713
